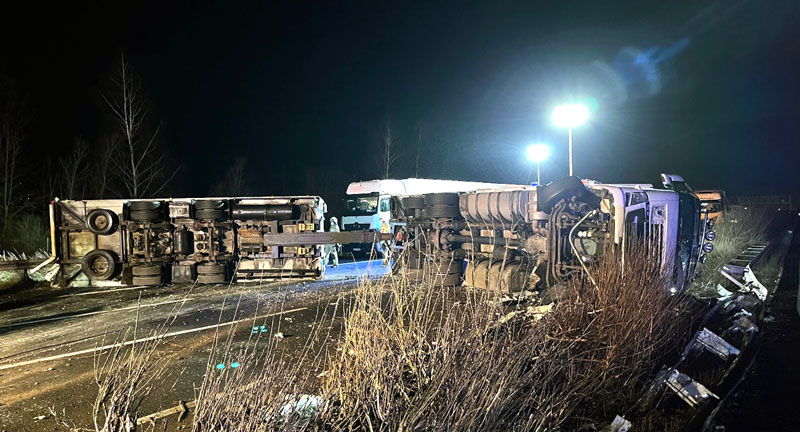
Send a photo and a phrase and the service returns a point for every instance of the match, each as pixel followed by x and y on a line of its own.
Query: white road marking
pixel 107 291
pixel 63 317
pixel 140 340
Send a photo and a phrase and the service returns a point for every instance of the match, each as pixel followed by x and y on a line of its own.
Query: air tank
pixel 183 242
pixel 266 212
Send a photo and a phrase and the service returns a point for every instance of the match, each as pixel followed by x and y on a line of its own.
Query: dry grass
pixel 415 355
pixel 738 229
pixel 124 376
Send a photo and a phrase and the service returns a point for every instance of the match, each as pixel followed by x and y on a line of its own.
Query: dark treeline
pixel 127 158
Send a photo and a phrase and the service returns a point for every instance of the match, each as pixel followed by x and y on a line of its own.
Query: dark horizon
pixel 302 91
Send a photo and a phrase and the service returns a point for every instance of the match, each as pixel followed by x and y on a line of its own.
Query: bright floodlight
pixel 537 152
pixel 570 115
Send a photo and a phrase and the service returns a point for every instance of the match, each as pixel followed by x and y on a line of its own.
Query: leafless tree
pixel 389 152
pixel 104 164
pixel 72 169
pixel 235 182
pixel 139 162
pixel 13 119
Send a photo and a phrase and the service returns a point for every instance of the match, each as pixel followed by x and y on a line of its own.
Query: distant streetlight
pixel 570 116
pixel 537 153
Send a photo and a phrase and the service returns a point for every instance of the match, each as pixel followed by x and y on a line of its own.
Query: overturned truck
pixel 207 240
pixel 527 238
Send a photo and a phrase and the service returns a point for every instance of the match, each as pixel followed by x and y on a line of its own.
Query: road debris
pixel 691 391
pixel 706 340
pixel 618 425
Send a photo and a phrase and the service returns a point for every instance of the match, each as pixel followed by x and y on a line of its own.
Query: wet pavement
pixel 48 347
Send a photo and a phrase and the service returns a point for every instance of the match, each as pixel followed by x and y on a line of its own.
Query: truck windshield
pixel 361 205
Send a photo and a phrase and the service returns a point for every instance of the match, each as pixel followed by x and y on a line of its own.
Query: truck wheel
pixel 440 199
pixel 210 278
pixel 101 221
pixel 552 193
pixel 210 210
pixel 450 266
pixel 210 214
pixel 99 264
pixel 146 211
pixel 211 268
pixel 147 280
pixel 146 270
pixel 413 203
pixel 209 204
pixel 450 279
pixel 145 205
pixel 414 275
pixel 145 216
pixel 442 211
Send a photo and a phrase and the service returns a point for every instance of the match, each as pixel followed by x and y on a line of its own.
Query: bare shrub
pixel 26 234
pixel 420 356
pixel 414 355
pixel 125 374
pixel 258 386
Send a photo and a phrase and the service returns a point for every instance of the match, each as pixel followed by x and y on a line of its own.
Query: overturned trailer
pixel 208 240
pixel 528 238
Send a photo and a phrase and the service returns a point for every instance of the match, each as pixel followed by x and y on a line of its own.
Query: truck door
pixel 384 211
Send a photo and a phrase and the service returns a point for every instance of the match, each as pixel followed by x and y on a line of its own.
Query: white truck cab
pixel 370 203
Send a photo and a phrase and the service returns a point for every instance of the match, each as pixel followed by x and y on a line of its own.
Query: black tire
pixel 442 211
pixel 211 268
pixel 209 205
pixel 452 279
pixel 550 194
pixel 99 264
pixel 145 205
pixel 147 270
pixel 101 221
pixel 210 278
pixel 441 199
pixel 452 266
pixel 210 214
pixel 413 275
pixel 413 203
pixel 146 216
pixel 147 280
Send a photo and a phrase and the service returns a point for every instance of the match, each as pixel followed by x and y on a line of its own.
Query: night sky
pixel 303 89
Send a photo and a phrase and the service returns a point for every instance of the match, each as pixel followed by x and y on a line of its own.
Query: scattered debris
pixel 184 410
pixel 304 407
pixel 691 391
pixel 706 340
pixel 618 425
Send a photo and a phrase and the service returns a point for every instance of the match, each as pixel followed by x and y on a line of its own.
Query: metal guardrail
pixel 747 258
pixel 19 264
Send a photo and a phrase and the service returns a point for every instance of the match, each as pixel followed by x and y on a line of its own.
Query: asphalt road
pixel 50 339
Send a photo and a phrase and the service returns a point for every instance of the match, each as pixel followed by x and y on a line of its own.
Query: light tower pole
pixel 570 116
